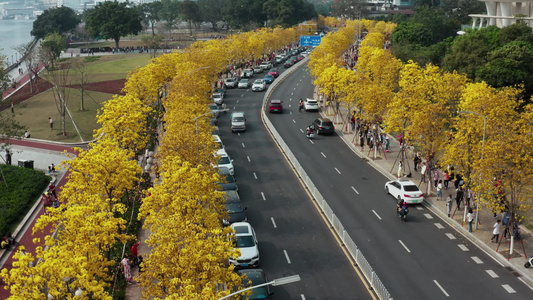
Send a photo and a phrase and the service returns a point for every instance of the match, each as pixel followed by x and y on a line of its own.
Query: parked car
pixel 257 69
pixel 246 241
pixel 223 160
pixel 274 72
pixel 214 108
pixel 268 78
pixel 218 141
pixel 221 90
pixel 266 65
pixel 275 106
pixel 216 130
pixel 244 84
pixel 259 85
pixel 310 104
pixel 324 126
pixel 231 82
pixel 247 73
pixel 218 98
pixel 406 190
pixel 227 181
pixel 255 277
pixel 236 212
pixel 238 121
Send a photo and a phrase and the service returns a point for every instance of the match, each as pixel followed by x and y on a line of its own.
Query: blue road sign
pixel 310 40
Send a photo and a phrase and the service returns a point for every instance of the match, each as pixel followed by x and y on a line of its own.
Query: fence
pixel 360 260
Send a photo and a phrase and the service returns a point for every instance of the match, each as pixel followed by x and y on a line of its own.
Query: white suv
pixel 238 121
pixel 310 104
pixel 266 65
pixel 246 243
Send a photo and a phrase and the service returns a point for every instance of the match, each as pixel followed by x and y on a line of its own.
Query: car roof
pixel 222 152
pixel 231 197
pixel 405 182
pixel 237 114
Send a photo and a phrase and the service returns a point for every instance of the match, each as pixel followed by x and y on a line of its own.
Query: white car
pixel 220 145
pixel 310 104
pixel 246 242
pixel 231 82
pixel 238 121
pixel 218 98
pixel 406 190
pixel 247 73
pixel 266 66
pixel 225 161
pixel 257 69
pixel 244 84
pixel 259 85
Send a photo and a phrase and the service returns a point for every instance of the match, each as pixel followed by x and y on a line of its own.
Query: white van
pixel 238 121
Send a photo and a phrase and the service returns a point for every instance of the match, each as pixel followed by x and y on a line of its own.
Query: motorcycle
pixel 529 263
pixel 402 212
pixel 310 132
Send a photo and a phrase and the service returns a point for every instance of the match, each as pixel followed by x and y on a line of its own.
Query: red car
pixel 274 72
pixel 275 106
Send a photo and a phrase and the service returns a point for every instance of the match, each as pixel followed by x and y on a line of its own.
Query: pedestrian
pixel 459 197
pixel 8 158
pixel 470 218
pixel 361 140
pixel 134 253
pixel 423 172
pixel 439 191
pixel 446 179
pixel 45 200
pixel 12 107
pixel 400 169
pixel 301 105
pixel 126 269
pixel 387 144
pixel 496 232
pixel 449 202
pixel 51 123
pixel 52 190
pixel 436 177
pixel 27 134
pixel 416 160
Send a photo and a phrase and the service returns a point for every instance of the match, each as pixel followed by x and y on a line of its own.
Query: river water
pixel 14 33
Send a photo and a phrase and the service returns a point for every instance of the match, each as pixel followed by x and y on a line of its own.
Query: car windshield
pixel 244 241
pixel 311 102
pixel 244 80
pixel 226 179
pixel 268 76
pixel 234 207
pixel 223 160
pixel 238 119
pixel 327 124
pixel 411 188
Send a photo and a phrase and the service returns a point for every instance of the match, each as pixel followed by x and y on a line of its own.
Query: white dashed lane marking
pixel 311 141
pixel 476 260
pixel 419 207
pixel 428 216
pixel 404 246
pixel 439 226
pixel 355 190
pixel 450 236
pixel 377 215
pixel 337 170
pixel 509 289
pixel 320 152
pixel 273 222
pixel 248 157
pixel 442 289
pixel 293 121
pixel 463 247
pixel 263 196
pixel 243 145
pixel 492 274
pixel 255 175
pixel 302 296
pixel 287 256
pixel 301 130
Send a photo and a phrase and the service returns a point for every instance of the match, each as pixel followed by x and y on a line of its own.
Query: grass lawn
pixel 34 112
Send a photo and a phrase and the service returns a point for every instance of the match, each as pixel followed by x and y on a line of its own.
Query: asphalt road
pixel 422 258
pixel 293 237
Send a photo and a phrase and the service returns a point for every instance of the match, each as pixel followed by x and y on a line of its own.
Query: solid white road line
pixel 263 195
pixel 248 157
pixel 492 274
pixel 255 176
pixel 273 222
pixel 377 215
pixel 337 170
pixel 439 225
pixel 440 287
pixel 450 236
pixel 287 256
pixel 404 246
pixel 428 216
pixel 463 247
pixel 508 288
pixel 476 260
pixel 355 190
pixel 243 145
pixel 322 153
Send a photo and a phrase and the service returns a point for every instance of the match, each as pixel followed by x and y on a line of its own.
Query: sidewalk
pixel 388 166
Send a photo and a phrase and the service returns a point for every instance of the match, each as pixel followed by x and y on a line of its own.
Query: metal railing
pixel 371 276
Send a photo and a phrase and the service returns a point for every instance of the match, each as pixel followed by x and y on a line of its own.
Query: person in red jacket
pixel 134 253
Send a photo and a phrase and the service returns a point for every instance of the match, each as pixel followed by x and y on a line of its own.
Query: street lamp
pixel 482 151
pixel 275 282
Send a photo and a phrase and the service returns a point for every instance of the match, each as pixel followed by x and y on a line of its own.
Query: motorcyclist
pixel 402 207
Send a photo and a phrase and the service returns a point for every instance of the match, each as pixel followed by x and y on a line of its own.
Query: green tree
pixel 245 14
pixel 509 65
pixel 60 19
pixel 460 9
pixel 288 12
pixel 415 34
pixel 51 48
pixel 170 14
pixel 516 32
pixel 211 11
pixel 439 24
pixel 190 12
pixel 350 9
pixel 113 20
pixel 152 13
pixel 5 79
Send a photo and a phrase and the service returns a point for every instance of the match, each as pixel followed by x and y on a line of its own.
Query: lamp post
pixel 275 282
pixel 482 151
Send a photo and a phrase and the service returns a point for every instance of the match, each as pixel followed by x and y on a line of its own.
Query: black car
pixel 255 277
pixel 227 181
pixel 289 63
pixel 236 212
pixel 324 126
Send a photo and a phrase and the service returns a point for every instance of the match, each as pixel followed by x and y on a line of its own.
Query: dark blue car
pixel 268 78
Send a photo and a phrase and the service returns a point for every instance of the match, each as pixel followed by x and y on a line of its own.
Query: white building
pixel 503 13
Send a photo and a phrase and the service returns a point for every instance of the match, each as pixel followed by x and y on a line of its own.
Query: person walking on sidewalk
pixel 446 179
pixel 126 269
pixel 470 218
pixel 416 161
pixel 496 232
pixel 387 144
pixel 134 253
pixel 423 173
pixel 51 123
pixel 439 191
pixel 400 169
pixel 459 197
pixel 449 202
